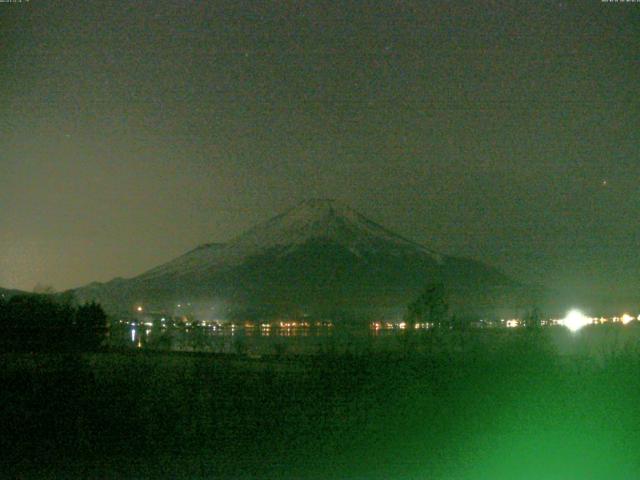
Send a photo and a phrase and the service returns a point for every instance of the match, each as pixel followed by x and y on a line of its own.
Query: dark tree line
pixel 430 307
pixel 49 323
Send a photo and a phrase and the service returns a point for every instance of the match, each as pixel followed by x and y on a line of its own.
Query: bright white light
pixel 133 334
pixel 139 309
pixel 575 320
pixel 626 318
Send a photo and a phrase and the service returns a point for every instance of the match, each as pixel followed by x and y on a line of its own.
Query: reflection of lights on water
pixel 575 320
pixel 379 326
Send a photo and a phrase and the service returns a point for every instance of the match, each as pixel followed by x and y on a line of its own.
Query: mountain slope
pixel 318 255
pixel 8 293
pixel 311 220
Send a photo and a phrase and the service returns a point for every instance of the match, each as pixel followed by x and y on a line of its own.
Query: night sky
pixel 505 131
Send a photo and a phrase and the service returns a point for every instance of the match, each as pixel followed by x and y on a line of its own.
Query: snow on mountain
pixel 318 219
pixel 205 255
pixel 319 254
pixel 323 219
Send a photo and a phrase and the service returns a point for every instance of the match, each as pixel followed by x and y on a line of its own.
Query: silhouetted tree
pixel 163 340
pixel 39 322
pixel 91 326
pixel 533 319
pixel 199 339
pixel 430 307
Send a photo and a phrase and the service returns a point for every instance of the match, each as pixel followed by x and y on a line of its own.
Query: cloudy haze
pixel 503 131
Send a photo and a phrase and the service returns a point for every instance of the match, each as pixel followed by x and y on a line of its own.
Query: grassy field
pixel 513 405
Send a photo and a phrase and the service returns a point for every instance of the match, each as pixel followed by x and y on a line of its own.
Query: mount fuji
pixel 320 256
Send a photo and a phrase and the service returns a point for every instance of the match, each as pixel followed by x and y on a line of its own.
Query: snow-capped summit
pixel 323 219
pixel 320 252
pixel 319 220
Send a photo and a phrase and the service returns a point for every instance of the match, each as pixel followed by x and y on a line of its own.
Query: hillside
pixel 318 257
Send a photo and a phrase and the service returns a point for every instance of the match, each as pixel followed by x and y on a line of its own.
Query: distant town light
pixel 626 318
pixel 575 320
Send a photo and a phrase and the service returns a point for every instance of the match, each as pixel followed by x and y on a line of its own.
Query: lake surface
pixel 256 339
pixel 598 341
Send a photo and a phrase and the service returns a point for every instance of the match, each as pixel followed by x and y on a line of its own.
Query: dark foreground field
pixel 515 411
